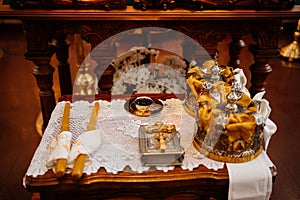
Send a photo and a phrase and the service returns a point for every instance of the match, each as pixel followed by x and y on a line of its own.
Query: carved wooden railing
pixel 154 4
pixel 46 34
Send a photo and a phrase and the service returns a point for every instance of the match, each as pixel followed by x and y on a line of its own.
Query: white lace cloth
pixel 119 128
pixel 119 131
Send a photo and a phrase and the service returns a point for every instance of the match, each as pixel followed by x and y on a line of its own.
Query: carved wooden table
pixel 46 32
pixel 153 184
pixel 200 183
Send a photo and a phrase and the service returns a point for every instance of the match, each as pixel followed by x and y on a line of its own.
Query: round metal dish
pixel 143 106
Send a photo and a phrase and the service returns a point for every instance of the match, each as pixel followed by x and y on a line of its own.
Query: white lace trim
pixel 119 128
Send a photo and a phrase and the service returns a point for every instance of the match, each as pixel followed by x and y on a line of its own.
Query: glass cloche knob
pixel 234 95
pixel 215 70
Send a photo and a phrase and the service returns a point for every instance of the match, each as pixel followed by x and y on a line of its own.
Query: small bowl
pixel 143 103
pixel 143 106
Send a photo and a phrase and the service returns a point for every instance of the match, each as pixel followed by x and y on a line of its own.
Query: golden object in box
pixel 160 145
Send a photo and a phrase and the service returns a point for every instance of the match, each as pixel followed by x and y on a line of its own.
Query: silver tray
pixel 152 155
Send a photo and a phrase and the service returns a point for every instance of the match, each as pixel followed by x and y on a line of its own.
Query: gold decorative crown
pixel 228 126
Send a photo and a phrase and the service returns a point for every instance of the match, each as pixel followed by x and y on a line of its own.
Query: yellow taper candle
pixel 66 118
pixel 60 167
pixel 80 160
pixel 78 166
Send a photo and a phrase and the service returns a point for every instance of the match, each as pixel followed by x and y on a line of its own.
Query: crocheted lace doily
pixel 119 128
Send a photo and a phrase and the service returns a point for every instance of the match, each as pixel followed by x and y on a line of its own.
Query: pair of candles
pixel 60 168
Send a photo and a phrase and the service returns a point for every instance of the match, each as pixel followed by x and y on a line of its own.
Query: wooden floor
pixel 19 106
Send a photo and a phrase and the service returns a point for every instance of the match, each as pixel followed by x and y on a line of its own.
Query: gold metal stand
pixel 84 82
pixel 292 50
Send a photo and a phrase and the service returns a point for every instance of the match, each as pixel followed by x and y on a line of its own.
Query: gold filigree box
pixel 160 145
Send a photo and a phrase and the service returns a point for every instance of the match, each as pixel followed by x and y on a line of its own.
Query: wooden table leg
pixel 235 49
pixel 265 35
pixel 39 52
